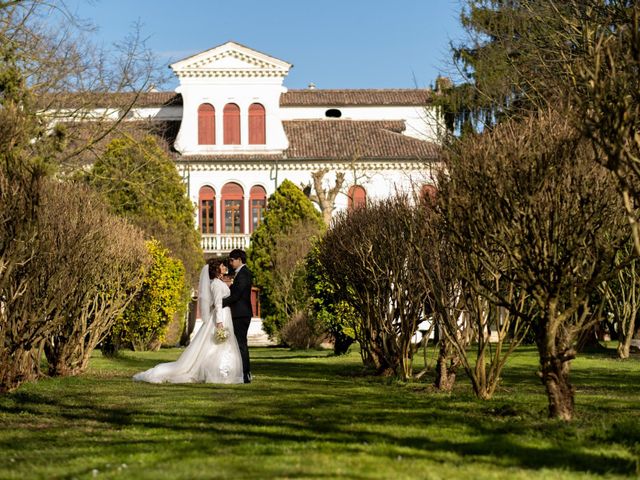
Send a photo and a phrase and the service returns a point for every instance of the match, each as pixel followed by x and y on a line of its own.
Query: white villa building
pixel 236 132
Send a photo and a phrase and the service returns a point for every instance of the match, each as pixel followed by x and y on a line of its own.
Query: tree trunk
pixel 560 393
pixel 626 335
pixel 446 367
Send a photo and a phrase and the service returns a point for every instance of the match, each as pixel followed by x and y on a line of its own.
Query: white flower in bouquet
pixel 220 335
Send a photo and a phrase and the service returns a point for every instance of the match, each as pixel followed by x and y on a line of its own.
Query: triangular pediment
pixel 231 60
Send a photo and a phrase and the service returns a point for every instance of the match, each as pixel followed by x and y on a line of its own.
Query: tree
pixel 536 212
pixel 160 299
pixel 339 319
pixel 142 184
pixel 37 67
pixel 94 261
pixel 326 197
pixel 366 259
pixel 276 257
pixel 465 318
pixel 508 63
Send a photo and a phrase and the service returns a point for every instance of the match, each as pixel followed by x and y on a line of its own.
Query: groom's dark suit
pixel 241 312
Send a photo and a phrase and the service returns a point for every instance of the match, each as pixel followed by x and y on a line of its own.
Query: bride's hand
pixel 219 325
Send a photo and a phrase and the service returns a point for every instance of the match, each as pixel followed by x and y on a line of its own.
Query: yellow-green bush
pixel 163 295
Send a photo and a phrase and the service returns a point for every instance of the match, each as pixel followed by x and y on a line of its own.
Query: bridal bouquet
pixel 220 335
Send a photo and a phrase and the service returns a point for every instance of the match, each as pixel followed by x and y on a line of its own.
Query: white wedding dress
pixel 204 360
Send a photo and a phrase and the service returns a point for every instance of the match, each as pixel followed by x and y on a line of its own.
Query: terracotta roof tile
pixel 339 98
pixel 102 100
pixel 354 139
pixel 292 98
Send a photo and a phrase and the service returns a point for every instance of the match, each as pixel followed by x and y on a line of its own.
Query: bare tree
pixel 367 258
pixel 465 318
pixel 99 261
pixel 622 303
pixel 289 287
pixel 605 87
pixel 325 198
pixel 40 66
pixel 539 214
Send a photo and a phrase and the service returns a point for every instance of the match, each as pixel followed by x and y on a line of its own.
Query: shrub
pixel 276 257
pixel 366 258
pixel 144 323
pixel 338 318
pixel 99 260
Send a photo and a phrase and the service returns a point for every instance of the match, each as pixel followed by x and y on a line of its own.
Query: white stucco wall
pixel 378 184
pixel 219 92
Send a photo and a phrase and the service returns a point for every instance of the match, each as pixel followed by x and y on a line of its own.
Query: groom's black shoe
pixel 247 378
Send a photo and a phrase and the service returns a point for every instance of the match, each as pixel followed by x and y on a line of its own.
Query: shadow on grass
pixel 297 400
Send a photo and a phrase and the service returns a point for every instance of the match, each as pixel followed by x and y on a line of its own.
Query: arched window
pixel 231 124
pixel 207 202
pixel 206 124
pixel 258 202
pixel 232 208
pixel 257 125
pixel 357 197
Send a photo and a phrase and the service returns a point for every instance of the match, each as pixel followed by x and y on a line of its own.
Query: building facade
pixel 236 132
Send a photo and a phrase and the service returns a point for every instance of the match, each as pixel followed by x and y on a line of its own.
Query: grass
pixel 313 415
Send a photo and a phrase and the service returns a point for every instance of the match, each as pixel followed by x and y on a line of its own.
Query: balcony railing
pixel 223 243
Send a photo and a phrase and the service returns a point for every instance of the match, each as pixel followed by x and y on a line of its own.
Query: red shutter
pixel 231 124
pixel 257 125
pixel 206 124
pixel 357 197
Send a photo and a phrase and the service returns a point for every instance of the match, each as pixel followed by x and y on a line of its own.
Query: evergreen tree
pixel 142 184
pixel 290 216
pixel 509 61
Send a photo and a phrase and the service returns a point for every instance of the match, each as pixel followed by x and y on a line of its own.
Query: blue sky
pixel 332 43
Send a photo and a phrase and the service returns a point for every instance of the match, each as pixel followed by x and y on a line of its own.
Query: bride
pixel 209 357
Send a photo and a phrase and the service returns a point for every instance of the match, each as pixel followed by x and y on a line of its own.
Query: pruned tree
pixel 38 64
pixel 539 214
pixel 466 319
pixel 622 303
pixel 98 262
pixel 605 88
pixel 291 221
pixel 325 197
pixel 366 257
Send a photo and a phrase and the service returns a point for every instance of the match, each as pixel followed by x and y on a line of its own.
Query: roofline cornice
pixel 310 164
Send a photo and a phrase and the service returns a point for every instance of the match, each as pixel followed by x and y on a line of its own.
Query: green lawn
pixel 312 415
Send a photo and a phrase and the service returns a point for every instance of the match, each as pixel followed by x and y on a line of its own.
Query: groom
pixel 240 303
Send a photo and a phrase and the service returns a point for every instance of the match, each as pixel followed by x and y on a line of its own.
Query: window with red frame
pixel 258 203
pixel 232 208
pixel 207 202
pixel 357 197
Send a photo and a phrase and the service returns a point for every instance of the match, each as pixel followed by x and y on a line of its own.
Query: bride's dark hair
pixel 214 267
